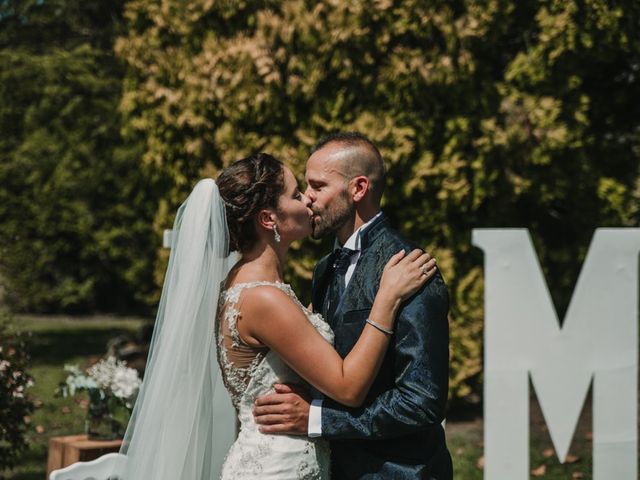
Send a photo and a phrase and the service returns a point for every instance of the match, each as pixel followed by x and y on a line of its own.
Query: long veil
pixel 172 433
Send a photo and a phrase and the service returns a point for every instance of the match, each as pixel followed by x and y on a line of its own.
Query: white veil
pixel 172 434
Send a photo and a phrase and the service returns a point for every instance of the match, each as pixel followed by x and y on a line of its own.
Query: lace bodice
pixel 236 377
pixel 254 454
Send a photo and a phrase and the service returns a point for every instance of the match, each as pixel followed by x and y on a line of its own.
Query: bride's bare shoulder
pixel 246 273
pixel 266 297
pixel 274 317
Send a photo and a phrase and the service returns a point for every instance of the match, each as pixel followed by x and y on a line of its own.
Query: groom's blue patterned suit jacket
pixel 397 433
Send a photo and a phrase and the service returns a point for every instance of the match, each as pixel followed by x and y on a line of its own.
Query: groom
pixel 397 433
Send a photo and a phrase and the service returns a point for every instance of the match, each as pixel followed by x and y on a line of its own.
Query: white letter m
pixel 598 340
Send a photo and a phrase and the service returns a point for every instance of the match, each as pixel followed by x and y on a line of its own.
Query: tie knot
pixel 343 259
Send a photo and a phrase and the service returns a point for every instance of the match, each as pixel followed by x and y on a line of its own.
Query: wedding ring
pixel 424 270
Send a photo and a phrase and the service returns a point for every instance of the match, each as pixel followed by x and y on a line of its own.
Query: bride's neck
pixel 263 262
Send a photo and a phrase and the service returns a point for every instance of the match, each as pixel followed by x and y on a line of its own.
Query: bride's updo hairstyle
pixel 247 186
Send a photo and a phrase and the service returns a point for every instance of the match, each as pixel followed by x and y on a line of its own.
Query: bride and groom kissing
pixel 353 387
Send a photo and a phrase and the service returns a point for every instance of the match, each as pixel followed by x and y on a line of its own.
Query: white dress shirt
pixel 353 242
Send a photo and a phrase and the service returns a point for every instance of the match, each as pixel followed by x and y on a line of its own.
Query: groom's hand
pixel 286 411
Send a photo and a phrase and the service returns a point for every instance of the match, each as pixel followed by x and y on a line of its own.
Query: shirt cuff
pixel 315 418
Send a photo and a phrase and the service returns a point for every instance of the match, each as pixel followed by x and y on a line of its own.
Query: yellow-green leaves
pixel 487 114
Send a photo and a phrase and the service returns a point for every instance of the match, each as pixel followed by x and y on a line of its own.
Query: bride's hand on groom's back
pixel 284 412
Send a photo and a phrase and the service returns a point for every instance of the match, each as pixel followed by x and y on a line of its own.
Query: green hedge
pixel 76 207
pixel 488 114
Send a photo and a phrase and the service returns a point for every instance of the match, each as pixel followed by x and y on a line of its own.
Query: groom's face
pixel 328 190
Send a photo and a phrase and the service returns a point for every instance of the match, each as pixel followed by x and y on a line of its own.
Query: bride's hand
pixel 404 275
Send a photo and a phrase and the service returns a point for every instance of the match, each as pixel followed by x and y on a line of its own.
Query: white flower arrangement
pixel 109 378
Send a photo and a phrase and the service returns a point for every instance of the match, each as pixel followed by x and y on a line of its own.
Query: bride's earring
pixel 276 235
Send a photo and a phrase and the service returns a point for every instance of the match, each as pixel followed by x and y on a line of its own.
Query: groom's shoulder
pixel 390 241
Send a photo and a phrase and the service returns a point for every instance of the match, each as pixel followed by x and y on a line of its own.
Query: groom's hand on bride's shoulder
pixel 286 411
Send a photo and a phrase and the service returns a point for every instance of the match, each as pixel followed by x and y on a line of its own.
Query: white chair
pixel 97 469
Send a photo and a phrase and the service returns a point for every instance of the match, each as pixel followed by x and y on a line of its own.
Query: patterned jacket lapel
pixel 320 283
pixel 354 298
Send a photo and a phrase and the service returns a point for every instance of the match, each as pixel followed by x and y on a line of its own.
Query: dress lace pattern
pixel 253 454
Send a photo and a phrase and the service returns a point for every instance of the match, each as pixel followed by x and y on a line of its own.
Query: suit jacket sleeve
pixel 421 370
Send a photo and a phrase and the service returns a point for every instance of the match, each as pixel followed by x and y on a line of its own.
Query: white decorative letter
pixel 598 340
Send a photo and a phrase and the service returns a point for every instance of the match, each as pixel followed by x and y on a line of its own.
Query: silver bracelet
pixel 382 329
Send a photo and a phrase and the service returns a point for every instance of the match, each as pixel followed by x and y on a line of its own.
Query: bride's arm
pixel 270 316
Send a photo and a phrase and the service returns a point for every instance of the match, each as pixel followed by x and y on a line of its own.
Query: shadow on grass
pixel 32 458
pixel 58 346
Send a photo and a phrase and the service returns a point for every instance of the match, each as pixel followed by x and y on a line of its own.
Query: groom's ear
pixel 359 187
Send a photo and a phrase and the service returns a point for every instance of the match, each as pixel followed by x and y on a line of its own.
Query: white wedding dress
pixel 256 455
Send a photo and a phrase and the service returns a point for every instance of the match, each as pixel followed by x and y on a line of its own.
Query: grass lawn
pixel 465 441
pixel 57 341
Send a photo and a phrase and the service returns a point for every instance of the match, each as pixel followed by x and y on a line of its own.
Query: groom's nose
pixel 309 194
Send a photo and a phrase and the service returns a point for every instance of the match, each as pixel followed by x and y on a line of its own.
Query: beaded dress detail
pixel 254 454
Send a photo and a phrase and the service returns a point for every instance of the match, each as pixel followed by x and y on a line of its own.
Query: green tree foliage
pixel 488 114
pixel 75 208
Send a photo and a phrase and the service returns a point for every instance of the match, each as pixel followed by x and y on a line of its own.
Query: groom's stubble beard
pixel 336 215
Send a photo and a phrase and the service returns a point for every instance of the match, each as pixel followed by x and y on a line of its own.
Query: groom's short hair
pixel 368 161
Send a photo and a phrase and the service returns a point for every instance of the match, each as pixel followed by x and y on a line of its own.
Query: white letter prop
pixel 598 339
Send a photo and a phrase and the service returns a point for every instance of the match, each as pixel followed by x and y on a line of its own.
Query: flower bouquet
pixel 112 388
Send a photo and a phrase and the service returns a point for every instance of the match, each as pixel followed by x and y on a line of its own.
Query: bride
pixel 251 322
